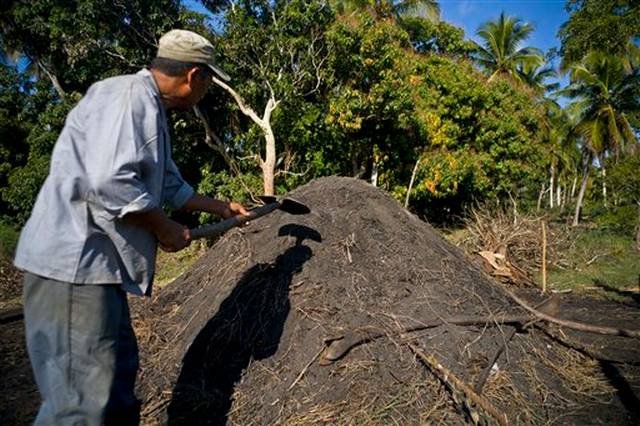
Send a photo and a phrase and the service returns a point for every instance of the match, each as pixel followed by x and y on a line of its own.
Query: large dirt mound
pixel 246 335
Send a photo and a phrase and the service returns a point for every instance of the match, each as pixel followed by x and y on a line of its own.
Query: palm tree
pixel 606 95
pixel 535 76
pixel 501 52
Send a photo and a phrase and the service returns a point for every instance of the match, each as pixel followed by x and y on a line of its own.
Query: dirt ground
pixel 249 334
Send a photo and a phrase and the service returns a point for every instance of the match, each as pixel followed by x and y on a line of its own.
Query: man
pixel 94 230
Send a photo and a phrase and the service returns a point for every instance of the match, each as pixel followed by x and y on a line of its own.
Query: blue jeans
pixel 83 352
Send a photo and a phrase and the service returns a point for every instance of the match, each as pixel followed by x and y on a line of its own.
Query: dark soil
pixel 239 338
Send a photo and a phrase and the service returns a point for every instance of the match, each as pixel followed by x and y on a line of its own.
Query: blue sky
pixel 545 15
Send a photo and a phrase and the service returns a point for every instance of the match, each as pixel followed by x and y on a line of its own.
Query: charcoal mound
pixel 245 335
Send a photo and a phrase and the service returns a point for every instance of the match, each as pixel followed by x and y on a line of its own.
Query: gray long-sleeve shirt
pixel 112 157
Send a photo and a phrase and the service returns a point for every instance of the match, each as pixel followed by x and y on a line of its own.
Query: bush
pixel 8 240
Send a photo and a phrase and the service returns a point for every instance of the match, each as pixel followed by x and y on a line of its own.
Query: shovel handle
pixel 219 228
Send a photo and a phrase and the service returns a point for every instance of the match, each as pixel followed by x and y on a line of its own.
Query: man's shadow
pixel 247 326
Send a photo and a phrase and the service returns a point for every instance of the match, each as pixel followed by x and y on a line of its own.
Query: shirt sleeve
pixel 176 191
pixel 119 124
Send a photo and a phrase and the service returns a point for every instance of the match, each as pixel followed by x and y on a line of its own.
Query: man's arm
pixel 171 235
pixel 226 210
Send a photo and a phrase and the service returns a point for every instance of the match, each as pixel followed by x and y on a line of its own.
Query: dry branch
pixel 458 387
pixel 575 325
pixel 339 346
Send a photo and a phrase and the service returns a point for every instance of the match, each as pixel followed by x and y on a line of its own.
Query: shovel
pixel 271 203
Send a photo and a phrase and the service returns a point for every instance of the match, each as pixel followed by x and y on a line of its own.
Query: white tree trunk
pixel 573 186
pixel 374 173
pixel 540 196
pixel 604 183
pixel 268 163
pixel 552 176
pixel 558 195
pixel 583 188
pixel 413 177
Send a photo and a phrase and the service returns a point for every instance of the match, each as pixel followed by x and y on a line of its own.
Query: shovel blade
pixel 287 205
pixel 293 207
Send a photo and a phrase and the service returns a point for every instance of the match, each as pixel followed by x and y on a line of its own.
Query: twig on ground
pixel 460 388
pixel 306 367
pixel 482 379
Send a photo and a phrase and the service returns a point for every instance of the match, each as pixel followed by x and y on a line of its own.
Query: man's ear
pixel 192 74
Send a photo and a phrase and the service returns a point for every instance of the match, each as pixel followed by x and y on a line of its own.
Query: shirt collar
pixel 151 85
pixel 149 82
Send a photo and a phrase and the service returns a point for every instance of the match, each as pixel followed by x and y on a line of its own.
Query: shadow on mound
pixel 247 326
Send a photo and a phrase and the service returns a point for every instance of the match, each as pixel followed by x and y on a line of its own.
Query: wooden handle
pixel 219 228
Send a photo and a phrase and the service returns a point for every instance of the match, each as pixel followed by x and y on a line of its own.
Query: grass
pixel 602 263
pixel 170 266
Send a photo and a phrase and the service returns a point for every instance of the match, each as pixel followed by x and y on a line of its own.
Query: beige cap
pixel 187 46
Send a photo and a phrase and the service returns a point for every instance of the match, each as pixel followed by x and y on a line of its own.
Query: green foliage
pixel 624 179
pixel 24 182
pixel 8 239
pixel 80 40
pixel 436 37
pixel 222 186
pixel 607 25
pixel 501 52
pixel 606 94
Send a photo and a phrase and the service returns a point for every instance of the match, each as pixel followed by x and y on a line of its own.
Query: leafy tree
pixel 501 52
pixel 625 184
pixel 275 52
pixel 607 25
pixel 605 96
pixel 436 37
pixel 73 42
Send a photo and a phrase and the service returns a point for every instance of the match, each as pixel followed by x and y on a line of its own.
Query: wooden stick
pixel 304 370
pixel 11 314
pixel 338 347
pixel 482 379
pixel 456 385
pixel 575 325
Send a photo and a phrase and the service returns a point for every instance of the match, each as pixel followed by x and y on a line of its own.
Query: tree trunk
pixel 413 177
pixel 558 195
pixel 54 79
pixel 552 179
pixel 638 229
pixel 540 196
pixel 269 164
pixel 604 183
pixel 583 187
pixel 214 142
pixel 573 186
pixel 374 173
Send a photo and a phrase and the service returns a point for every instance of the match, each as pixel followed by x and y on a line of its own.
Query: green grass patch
pixel 170 266
pixel 602 263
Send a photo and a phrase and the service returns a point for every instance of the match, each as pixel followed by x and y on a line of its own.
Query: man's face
pixel 195 86
pixel 199 85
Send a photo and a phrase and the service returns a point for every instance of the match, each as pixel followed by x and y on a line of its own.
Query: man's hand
pixel 234 209
pixel 205 204
pixel 170 234
pixel 173 237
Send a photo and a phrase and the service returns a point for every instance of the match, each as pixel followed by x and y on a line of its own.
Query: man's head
pixel 183 68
